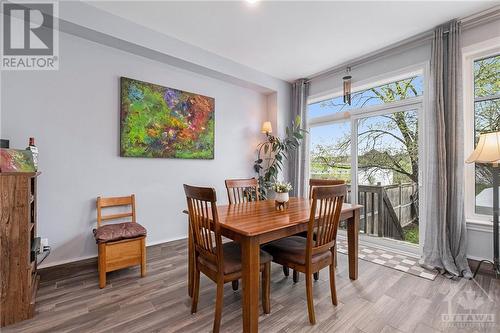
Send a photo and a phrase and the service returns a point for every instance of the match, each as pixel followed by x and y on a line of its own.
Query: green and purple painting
pixel 163 122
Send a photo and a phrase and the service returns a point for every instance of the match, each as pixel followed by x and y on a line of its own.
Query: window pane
pixel 387 93
pixel 487 77
pixel 487 116
pixel 484 190
pixel 486 119
pixel 388 149
pixel 330 152
pixel 388 166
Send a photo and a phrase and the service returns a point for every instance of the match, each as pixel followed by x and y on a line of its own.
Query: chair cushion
pixel 118 231
pixel 232 258
pixel 292 249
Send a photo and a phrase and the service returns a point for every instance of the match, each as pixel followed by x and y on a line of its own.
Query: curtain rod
pixel 468 22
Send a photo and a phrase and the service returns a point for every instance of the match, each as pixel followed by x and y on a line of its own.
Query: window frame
pixel 420 103
pixel 469 56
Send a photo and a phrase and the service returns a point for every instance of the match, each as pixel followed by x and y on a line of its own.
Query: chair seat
pixel 114 232
pixel 292 249
pixel 232 258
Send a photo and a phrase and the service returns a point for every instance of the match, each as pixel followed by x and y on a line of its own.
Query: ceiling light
pixel 252 2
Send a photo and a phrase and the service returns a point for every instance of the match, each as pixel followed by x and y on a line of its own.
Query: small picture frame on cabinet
pixel 16 160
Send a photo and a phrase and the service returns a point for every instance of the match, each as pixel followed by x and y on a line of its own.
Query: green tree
pixel 399 127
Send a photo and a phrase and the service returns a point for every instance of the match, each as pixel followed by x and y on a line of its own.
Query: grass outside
pixel 411 233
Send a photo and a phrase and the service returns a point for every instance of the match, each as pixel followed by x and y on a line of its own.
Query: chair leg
pixel 333 290
pixel 295 276
pixel 266 288
pixel 143 257
pixel 235 285
pixel 101 264
pixel 310 304
pixel 316 276
pixel 286 271
pixel 218 305
pixel 335 253
pixel 196 289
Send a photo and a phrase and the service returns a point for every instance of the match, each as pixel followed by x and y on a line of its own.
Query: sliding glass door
pixel 387 174
pixel 374 146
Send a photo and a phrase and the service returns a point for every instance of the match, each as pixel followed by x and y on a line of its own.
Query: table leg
pixel 250 251
pixel 352 244
pixel 190 262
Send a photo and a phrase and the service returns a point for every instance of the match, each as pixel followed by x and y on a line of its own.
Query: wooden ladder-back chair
pixel 242 190
pixel 239 191
pixel 312 184
pixel 323 182
pixel 221 262
pixel 120 245
pixel 311 254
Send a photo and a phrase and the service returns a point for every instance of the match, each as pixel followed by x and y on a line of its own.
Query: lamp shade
pixel 487 149
pixel 267 127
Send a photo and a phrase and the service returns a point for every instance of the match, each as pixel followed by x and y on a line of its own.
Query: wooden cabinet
pixel 18 246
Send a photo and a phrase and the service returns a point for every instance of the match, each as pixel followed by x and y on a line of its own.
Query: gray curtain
pixel 299 172
pixel 445 237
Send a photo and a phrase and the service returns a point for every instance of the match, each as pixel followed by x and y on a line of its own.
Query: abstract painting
pixel 164 122
pixel 16 160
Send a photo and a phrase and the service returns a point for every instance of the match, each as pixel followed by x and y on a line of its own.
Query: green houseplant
pixel 272 154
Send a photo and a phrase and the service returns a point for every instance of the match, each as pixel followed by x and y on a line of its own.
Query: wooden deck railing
pixel 387 209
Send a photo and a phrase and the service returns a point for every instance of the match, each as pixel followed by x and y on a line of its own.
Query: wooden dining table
pixel 253 224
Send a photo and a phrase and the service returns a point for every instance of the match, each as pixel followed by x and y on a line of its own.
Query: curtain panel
pixel 445 235
pixel 299 167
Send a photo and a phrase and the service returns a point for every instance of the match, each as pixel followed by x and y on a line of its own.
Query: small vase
pixel 282 197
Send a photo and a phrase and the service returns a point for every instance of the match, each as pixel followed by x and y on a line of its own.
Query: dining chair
pixel 242 190
pixel 314 183
pixel 323 182
pixel 119 245
pixel 311 254
pixel 238 191
pixel 220 262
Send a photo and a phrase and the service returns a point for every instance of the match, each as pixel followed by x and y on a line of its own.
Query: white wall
pixel 74 115
pixel 89 22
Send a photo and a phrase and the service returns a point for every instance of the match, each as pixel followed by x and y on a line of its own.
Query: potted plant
pixel 281 189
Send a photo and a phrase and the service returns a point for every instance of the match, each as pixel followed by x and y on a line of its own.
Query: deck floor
pixel 381 300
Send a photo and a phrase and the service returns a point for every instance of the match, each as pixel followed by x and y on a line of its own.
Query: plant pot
pixel 282 197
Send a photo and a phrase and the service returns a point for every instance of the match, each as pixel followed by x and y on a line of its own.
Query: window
pixel 387 93
pixel 373 146
pixel 331 161
pixel 486 119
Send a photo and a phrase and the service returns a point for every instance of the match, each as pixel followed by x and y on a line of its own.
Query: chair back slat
pixel 323 182
pixel 110 202
pixel 324 219
pixel 242 190
pixel 204 222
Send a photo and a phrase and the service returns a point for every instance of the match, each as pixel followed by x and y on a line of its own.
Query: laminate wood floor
pixel 381 300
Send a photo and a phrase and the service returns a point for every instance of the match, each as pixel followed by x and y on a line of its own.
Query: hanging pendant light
pixel 347 86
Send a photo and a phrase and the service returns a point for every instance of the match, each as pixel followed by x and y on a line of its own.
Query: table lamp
pixel 488 152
